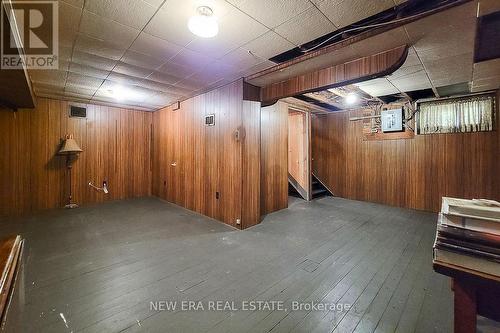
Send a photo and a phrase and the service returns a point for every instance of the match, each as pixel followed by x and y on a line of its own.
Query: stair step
pixel 319 191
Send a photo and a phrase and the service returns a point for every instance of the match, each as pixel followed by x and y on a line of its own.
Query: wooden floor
pixel 98 269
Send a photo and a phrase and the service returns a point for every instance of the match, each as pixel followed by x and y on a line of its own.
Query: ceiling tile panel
pixel 141 60
pixel 99 48
pixel 133 13
pixel 241 58
pixel 272 12
pixel 343 13
pixel 305 27
pixel 83 81
pixel 69 19
pixel 155 47
pixel 132 70
pixel 268 45
pixel 88 70
pixel 170 23
pixel 377 87
pixel 164 78
pixel 91 60
pixel 107 30
pixel 191 59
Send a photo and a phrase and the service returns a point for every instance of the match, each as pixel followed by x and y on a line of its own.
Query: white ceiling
pixel 145 47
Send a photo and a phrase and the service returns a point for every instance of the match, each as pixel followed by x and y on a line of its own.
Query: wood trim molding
pixel 357 70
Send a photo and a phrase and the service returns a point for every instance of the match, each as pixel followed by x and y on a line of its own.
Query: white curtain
pixel 472 114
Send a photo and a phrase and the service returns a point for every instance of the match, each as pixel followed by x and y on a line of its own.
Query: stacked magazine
pixel 468 235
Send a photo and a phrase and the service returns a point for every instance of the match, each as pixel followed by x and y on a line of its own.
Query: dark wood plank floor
pixel 97 269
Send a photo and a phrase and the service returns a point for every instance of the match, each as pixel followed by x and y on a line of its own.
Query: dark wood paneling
pixel 207 168
pixel 274 157
pixel 353 71
pixel 413 173
pixel 251 167
pixel 115 145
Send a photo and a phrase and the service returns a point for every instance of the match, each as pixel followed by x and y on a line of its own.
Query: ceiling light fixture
pixel 204 24
pixel 351 98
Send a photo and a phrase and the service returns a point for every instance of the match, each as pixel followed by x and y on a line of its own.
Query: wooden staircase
pixel 318 189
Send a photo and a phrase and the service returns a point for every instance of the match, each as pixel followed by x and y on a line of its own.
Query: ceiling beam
pixel 361 69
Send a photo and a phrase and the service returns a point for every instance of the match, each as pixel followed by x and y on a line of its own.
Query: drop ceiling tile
pixel 413 82
pixel 126 69
pixel 83 81
pixel 170 22
pixel 377 87
pixel 491 83
pixel 95 61
pixel 486 69
pixel 155 47
pixel 306 27
pixel 99 48
pixel 256 68
pixel 87 92
pixel 214 71
pixel 63 65
pixel 141 60
pixel 406 71
pixel 52 77
pixel 343 13
pixel 119 78
pixel 164 78
pixel 162 99
pixel 133 13
pixel 191 84
pixel 47 88
pixel 88 70
pixel 235 29
pixel 240 58
pixel 272 12
pixel 107 30
pixel 382 42
pixel 157 86
pixel 268 45
pixel 191 59
pixel 65 53
pixel 176 70
pixel 130 94
pixel 450 70
pixel 76 96
pixel 447 27
pixel 69 19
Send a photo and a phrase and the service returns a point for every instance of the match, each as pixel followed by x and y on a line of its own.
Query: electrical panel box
pixel 392 120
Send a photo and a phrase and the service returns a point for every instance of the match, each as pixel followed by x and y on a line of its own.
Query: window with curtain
pixel 470 114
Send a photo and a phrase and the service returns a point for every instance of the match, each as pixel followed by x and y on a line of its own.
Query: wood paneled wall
pixel 274 157
pixel 413 173
pixel 298 150
pixel 207 169
pixel 357 70
pixel 116 148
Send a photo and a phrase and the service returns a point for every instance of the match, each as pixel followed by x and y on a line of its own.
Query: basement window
pixel 456 115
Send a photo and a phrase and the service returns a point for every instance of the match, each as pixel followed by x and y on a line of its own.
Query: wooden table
pixel 475 293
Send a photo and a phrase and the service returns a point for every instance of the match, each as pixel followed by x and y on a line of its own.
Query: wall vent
pixel 77 111
pixel 210 120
